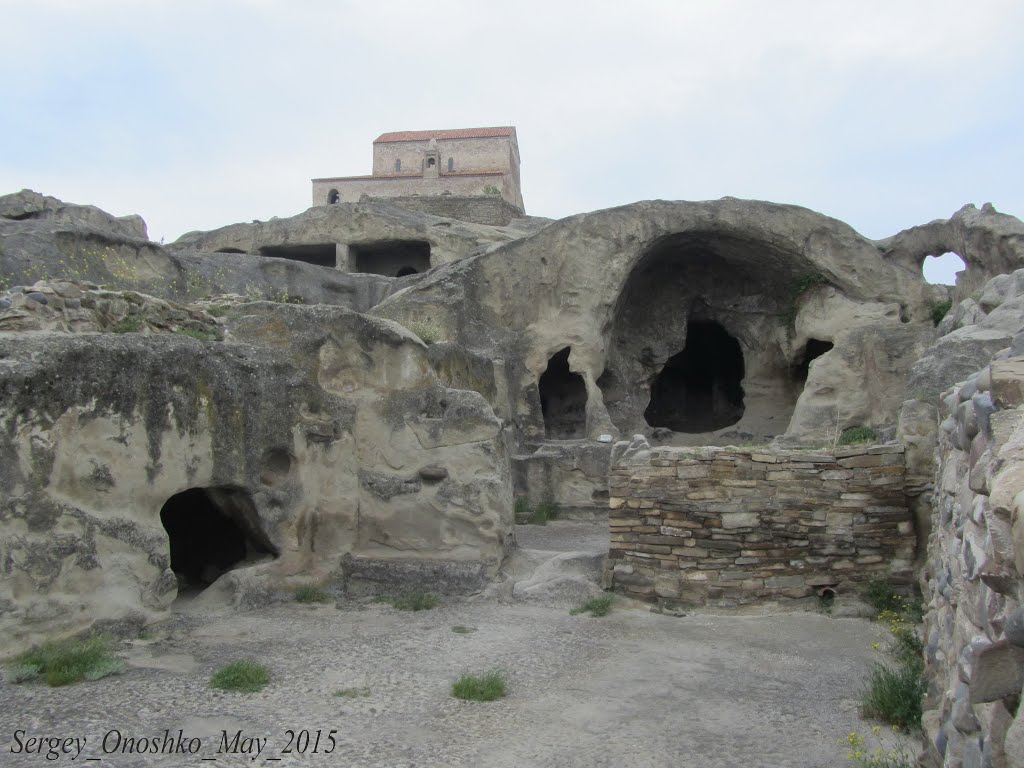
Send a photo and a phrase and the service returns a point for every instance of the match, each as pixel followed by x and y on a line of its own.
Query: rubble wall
pixel 974 627
pixel 726 525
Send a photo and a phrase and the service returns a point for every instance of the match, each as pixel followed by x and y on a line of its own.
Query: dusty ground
pixel 631 689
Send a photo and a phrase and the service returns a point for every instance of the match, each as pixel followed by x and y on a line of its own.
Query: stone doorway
pixel 563 399
pixel 212 531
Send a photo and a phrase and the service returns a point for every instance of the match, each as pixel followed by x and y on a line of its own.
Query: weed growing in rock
pixel 939 309
pixel 311 593
pixel 857 436
pixel 898 756
pixel 241 676
pixel 799 287
pixel 429 332
pixel 65 662
pixel 461 629
pixel 217 310
pixel 127 325
pixel 414 601
pixel 192 333
pixel 486 687
pixel 595 606
pixel 352 693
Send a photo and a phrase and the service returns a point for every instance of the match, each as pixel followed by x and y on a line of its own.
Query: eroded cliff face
pixel 313 444
pixel 649 298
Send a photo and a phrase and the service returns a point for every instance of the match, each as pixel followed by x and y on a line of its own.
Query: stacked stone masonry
pixel 974 627
pixel 729 526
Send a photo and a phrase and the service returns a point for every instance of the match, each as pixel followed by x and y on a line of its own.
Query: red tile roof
pixel 454 133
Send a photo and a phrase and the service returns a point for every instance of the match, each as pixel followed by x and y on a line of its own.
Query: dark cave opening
pixel 406 271
pixel 390 257
pixel 212 531
pixel 563 399
pixel 814 349
pixel 323 254
pixel 699 389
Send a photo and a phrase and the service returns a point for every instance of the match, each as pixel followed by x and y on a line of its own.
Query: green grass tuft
pixel 127 325
pixel 414 601
pixel 192 333
pixel 595 606
pixel 857 436
pixel 893 694
pixel 352 693
pixel 461 629
pixel 242 676
pixel 487 687
pixel 64 662
pixel 311 593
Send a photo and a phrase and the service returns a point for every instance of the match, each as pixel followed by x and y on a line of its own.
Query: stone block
pixel 997 671
pixel 1008 383
pixel 740 520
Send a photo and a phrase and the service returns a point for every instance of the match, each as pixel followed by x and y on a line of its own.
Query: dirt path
pixel 631 689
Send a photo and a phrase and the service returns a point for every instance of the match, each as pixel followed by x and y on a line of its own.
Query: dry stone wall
pixel 727 525
pixel 974 628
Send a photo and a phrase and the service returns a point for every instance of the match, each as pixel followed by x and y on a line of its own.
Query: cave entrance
pixel 212 531
pixel 323 254
pixel 699 389
pixel 393 258
pixel 814 349
pixel 563 399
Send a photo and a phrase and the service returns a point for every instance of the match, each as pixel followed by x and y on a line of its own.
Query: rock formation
pixel 173 430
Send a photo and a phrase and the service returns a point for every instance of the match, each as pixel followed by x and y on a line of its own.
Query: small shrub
pixel 523 510
pixel 66 661
pixel 490 189
pixel 217 310
pixel 893 694
pixel 127 325
pixel 882 596
pixel 595 606
pixel 414 601
pixel 898 756
pixel 352 693
pixel 311 593
pixel 857 435
pixel 798 288
pixel 429 332
pixel 192 333
pixel 939 309
pixel 461 629
pixel 487 687
pixel 241 676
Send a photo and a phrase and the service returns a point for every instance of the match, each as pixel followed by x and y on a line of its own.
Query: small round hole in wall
pixel 277 465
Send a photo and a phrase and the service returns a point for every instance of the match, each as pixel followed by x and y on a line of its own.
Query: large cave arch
pixel 701 340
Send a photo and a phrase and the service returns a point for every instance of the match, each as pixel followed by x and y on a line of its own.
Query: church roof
pixel 453 133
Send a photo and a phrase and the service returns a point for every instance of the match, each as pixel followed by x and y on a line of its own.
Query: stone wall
pixel 491 209
pixel 974 628
pixel 726 525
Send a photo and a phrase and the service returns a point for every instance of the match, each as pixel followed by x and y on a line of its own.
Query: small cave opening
pixel 229 250
pixel 701 388
pixel 321 254
pixel 406 271
pixel 563 399
pixel 814 349
pixel 212 531
pixel 390 257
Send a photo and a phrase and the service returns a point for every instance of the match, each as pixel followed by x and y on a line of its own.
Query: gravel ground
pixel 631 689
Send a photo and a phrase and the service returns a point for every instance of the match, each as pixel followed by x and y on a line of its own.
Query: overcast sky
pixel 197 114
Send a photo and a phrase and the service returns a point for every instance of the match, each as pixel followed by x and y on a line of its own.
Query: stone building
pixel 459 163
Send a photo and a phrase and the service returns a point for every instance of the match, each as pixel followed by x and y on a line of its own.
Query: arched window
pixel 430 162
pixel 398 166
pixel 333 198
pixel 451 164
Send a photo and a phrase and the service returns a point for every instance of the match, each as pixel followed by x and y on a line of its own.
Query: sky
pixel 200 113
